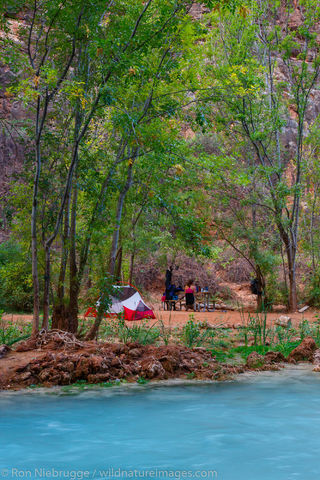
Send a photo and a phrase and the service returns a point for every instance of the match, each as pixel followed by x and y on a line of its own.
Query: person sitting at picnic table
pixel 189 295
pixel 171 294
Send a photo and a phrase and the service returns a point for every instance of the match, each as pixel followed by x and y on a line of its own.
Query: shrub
pixel 11 332
pixel 118 329
pixel 15 278
pixel 193 336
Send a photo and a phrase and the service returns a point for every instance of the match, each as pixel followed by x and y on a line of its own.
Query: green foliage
pixel 142 381
pixel 15 278
pixel 143 333
pixel 83 385
pixel 122 81
pixel 11 332
pixel 256 326
pixel 193 336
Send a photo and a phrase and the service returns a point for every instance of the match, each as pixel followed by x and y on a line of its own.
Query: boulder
pixel 255 360
pixel 115 362
pixel 304 351
pixel 135 352
pixel 83 368
pixel 169 363
pixel 316 357
pixel 152 368
pixel 274 357
pixel 4 349
pixel 27 345
pixel 46 374
pixel 284 321
pixel 98 377
pixel 303 309
pixel 97 363
pixel 24 376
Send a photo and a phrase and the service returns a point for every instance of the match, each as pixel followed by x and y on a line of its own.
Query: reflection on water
pixel 255 428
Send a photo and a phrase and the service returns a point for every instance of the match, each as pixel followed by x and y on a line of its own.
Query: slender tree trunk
pixel 118 264
pixel 115 238
pixel 292 280
pixel 285 275
pixel 74 280
pixel 59 310
pixel 34 242
pixel 132 258
pixel 291 250
pixel 93 332
pixel 46 292
pixel 261 293
pixel 133 236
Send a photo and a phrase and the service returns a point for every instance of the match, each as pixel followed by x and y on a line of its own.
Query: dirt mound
pixel 255 361
pixel 53 339
pixel 94 362
pixel 304 351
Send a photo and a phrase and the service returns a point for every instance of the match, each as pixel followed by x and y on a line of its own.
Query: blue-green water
pixel 266 428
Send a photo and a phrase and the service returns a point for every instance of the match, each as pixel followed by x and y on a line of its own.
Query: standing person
pixel 189 293
pixel 168 276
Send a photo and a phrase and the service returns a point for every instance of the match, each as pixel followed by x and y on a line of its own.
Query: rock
pixel 200 349
pixel 255 360
pixel 133 345
pixel 68 367
pixel 284 321
pixel 304 351
pixel 4 349
pixel 152 368
pixel 135 352
pixel 316 357
pixel 83 368
pixel 97 363
pixel 316 368
pixel 65 378
pixel 24 376
pixel 303 309
pixel 115 362
pixel 169 363
pixel 274 357
pixel 27 345
pixel 98 377
pixel 45 374
pixel 237 325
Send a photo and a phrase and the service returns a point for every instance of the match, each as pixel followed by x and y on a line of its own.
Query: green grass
pixel 12 332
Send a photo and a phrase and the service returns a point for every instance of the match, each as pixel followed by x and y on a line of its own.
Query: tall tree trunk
pixel 34 242
pixel 59 310
pixel 261 293
pixel 93 332
pixel 133 236
pixel 132 258
pixel 68 185
pixel 291 250
pixel 292 280
pixel 115 238
pixel 118 264
pixel 73 309
pixel 46 292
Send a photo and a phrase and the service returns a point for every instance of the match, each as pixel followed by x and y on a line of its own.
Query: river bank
pixel 58 358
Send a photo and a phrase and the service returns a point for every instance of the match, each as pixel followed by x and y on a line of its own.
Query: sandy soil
pixel 229 318
pixel 177 318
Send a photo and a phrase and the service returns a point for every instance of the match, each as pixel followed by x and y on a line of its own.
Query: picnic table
pixel 203 302
pixel 174 304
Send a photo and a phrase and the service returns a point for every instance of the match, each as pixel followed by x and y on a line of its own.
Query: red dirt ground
pixel 178 318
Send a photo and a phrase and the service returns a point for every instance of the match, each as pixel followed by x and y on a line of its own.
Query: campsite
pixel 159 239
